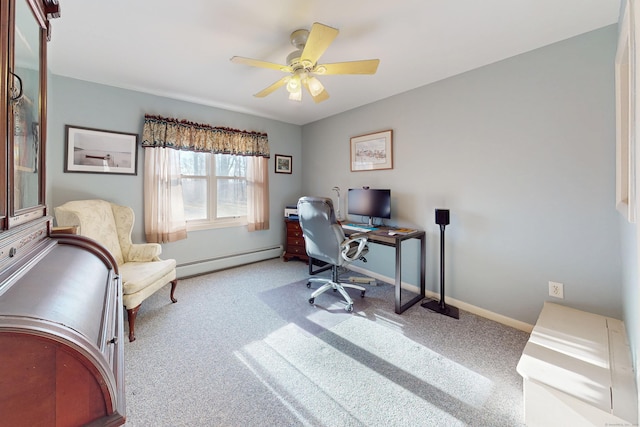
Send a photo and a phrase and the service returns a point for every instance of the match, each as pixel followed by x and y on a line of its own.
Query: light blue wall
pixel 92 105
pixel 523 154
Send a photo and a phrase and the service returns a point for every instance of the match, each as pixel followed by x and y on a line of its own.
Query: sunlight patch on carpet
pixel 365 356
pixel 426 365
pixel 328 309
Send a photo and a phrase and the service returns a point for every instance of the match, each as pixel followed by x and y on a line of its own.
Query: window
pixel 214 188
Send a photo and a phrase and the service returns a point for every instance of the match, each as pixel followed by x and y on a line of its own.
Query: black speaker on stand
pixel 442 219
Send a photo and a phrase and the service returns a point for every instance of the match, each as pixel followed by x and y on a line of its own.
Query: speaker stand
pixel 440 306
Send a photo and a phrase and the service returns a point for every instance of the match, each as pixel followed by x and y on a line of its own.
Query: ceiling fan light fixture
pixel 303 66
pixel 293 85
pixel 296 96
pixel 315 87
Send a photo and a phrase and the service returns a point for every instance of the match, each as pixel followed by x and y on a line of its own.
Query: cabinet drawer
pixel 298 250
pixel 294 232
pixel 294 228
pixel 295 241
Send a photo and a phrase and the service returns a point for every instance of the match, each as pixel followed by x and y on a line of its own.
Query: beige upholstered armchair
pixel 141 270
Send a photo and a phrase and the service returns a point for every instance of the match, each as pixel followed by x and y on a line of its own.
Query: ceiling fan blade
pixel 368 66
pixel 273 87
pixel 260 64
pixel 320 37
pixel 322 96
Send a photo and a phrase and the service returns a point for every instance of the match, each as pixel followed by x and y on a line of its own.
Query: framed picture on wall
pixel 283 164
pixel 373 151
pixel 100 151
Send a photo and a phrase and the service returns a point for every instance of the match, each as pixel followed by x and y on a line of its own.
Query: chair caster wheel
pixel 349 308
pixel 362 294
pixel 308 284
pixel 311 300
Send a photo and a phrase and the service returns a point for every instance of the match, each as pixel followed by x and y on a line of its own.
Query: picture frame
pixel 373 151
pixel 284 164
pixel 91 150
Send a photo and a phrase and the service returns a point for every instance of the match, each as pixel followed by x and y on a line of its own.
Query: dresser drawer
pixel 295 241
pixel 293 229
pixel 297 250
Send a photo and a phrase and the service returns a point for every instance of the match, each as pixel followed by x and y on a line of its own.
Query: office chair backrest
pixel 322 233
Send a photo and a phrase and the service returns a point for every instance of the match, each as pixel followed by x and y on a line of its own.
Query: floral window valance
pixel 161 132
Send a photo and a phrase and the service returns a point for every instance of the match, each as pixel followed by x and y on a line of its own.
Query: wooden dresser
pixel 294 246
pixel 61 313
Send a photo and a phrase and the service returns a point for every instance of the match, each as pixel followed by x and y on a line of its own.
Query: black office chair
pixel 325 241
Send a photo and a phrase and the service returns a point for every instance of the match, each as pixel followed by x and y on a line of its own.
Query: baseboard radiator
pixel 196 268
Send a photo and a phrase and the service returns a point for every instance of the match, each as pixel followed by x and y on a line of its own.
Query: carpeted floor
pixel 243 347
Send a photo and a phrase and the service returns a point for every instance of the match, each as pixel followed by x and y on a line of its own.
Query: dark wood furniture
pixel 61 315
pixel 62 337
pixel 294 246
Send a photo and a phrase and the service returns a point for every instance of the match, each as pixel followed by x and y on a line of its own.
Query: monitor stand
pixel 370 221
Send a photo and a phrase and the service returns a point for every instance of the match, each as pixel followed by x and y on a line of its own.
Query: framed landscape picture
pixel 100 151
pixel 283 164
pixel 373 151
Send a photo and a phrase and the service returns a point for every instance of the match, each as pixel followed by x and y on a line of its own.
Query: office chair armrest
pixel 361 239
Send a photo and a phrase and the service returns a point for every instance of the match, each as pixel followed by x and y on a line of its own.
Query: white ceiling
pixel 181 49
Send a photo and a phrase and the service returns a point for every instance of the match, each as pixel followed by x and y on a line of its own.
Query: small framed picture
pixel 100 151
pixel 373 151
pixel 283 164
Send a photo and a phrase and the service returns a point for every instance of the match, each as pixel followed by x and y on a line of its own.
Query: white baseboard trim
pixel 517 324
pixel 204 266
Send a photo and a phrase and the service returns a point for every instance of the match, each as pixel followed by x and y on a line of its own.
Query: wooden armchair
pixel 141 270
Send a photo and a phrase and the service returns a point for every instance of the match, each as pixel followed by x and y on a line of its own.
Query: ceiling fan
pixel 302 64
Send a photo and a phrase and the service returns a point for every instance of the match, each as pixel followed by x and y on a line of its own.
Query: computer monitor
pixel 373 203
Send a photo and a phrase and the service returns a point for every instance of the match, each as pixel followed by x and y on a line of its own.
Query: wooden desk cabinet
pixel 294 246
pixel 62 337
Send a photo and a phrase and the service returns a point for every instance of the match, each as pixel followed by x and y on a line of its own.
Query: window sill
pixel 209 225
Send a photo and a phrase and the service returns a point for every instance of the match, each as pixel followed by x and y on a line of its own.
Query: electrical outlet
pixel 556 290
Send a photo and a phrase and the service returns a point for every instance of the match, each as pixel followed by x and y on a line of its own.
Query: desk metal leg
pixel 318 270
pixel 399 306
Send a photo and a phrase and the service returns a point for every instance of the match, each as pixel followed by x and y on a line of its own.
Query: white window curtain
pixel 258 193
pixel 164 209
pixel 164 219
